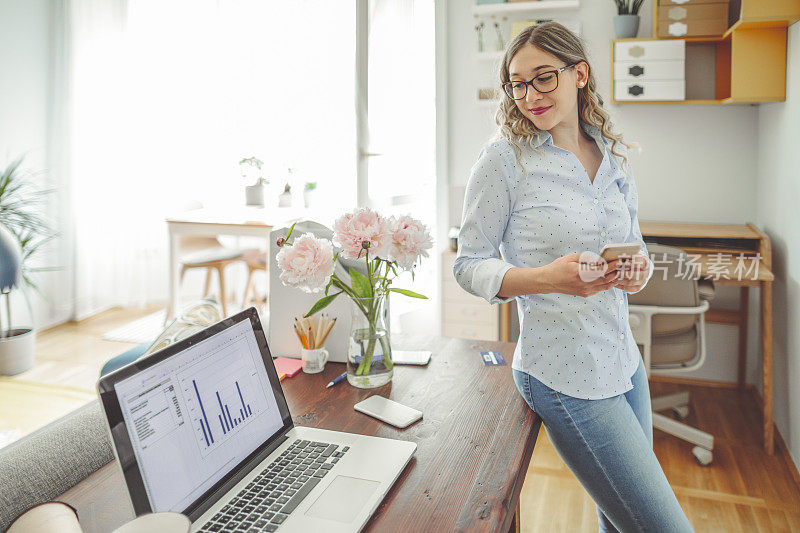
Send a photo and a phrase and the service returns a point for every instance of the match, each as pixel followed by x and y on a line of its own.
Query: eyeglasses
pixel 546 82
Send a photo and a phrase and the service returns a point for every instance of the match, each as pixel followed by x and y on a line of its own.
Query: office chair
pixel 666 319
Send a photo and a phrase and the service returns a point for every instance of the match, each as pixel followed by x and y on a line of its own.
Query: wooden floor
pixel 742 490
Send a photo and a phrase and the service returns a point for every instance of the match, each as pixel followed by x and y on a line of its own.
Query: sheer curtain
pixel 402 129
pixel 166 96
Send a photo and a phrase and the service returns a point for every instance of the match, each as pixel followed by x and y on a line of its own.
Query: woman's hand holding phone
pixel 631 272
pixel 574 274
pixel 585 274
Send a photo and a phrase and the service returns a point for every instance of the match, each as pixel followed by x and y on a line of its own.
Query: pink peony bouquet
pixel 387 245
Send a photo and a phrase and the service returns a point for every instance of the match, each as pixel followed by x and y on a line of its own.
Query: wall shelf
pixel 755 42
pixel 525 7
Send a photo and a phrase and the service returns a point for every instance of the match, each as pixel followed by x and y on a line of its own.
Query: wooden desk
pixel 475 442
pixel 706 242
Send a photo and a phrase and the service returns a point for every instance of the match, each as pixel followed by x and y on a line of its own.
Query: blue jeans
pixel 608 445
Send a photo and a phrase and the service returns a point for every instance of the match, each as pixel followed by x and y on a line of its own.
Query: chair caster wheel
pixel 703 456
pixel 681 411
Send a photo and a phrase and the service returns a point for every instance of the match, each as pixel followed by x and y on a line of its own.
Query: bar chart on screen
pixel 222 393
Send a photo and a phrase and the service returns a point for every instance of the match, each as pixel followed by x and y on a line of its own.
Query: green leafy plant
pixel 21 203
pixel 628 7
pixel 310 186
pixel 256 164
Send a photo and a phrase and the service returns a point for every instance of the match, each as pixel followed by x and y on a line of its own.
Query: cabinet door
pixel 650 90
pixel 649 70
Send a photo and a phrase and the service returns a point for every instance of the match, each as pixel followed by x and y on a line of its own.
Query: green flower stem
pixel 387 359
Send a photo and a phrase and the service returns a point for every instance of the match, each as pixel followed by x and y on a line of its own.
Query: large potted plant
pixel 626 23
pixel 22 233
pixel 386 246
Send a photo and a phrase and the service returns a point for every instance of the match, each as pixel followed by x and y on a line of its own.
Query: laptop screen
pixel 196 415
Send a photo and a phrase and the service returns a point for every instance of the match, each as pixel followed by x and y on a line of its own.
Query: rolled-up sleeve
pixel 628 189
pixel 488 205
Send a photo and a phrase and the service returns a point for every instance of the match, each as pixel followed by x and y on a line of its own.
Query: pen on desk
pixel 336 380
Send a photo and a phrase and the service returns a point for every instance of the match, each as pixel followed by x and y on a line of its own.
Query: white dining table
pixel 233 221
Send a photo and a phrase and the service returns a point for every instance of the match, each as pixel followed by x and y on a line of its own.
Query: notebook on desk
pixel 203 428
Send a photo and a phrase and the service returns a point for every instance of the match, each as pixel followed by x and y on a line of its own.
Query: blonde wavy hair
pixel 555 39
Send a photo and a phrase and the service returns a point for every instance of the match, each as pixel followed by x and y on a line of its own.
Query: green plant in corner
pixel 628 7
pixel 20 206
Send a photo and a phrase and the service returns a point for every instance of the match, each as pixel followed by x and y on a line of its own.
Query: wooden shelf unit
pixel 525 7
pixel 750 62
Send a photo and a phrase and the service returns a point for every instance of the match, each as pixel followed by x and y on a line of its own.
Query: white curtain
pixel 166 96
pixel 402 128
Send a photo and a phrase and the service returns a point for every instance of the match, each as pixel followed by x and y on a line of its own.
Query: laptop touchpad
pixel 343 499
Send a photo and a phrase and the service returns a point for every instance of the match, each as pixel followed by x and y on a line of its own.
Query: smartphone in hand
pixel 617 250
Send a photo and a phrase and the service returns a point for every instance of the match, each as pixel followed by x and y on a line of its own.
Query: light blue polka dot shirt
pixel 578 346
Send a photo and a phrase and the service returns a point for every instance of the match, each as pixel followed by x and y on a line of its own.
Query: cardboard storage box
pixel 692 20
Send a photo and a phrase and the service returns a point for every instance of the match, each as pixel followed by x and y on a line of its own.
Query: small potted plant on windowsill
pixel 22 234
pixel 250 169
pixel 626 23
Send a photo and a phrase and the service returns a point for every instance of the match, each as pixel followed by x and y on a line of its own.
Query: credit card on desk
pixel 493 358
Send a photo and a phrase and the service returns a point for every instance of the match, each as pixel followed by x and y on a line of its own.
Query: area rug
pixel 144 329
pixel 28 406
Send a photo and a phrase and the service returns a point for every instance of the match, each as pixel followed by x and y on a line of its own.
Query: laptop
pixel 202 428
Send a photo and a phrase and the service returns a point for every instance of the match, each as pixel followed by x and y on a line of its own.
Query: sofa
pixel 41 466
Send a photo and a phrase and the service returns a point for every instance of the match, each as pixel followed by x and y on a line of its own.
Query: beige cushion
pixel 673 348
pixel 210 255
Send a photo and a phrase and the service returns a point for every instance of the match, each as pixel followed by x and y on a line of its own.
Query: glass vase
pixel 369 356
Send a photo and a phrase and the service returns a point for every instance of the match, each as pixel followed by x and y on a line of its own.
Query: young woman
pixel 556 183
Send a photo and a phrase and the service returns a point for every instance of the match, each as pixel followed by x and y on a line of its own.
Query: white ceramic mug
pixel 314 360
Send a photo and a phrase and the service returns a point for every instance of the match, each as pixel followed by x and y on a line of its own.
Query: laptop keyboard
pixel 266 502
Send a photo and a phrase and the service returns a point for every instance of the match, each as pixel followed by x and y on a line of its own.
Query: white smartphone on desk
pixel 617 250
pixel 388 411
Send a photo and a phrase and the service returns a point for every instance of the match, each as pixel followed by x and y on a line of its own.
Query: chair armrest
pixel 664 310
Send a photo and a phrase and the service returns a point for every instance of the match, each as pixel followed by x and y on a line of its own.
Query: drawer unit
pixel 649 90
pixel 650 70
pixel 469 331
pixel 464 315
pixel 692 20
pixel 650 50
pixel 475 313
pixel 452 291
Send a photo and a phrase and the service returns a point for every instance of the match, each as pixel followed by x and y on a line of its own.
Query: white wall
pixel 698 163
pixel 778 196
pixel 26 98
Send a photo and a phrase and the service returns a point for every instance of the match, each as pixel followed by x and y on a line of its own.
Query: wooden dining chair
pixel 256 261
pixel 207 252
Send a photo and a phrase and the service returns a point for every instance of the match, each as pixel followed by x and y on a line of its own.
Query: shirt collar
pixel 543 136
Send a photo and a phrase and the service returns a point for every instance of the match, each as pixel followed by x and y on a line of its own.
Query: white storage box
pixel 649 90
pixel 649 50
pixel 649 70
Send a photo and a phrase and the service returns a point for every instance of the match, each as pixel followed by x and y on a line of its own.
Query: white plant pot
pixel 308 197
pixel 254 195
pixel 16 351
